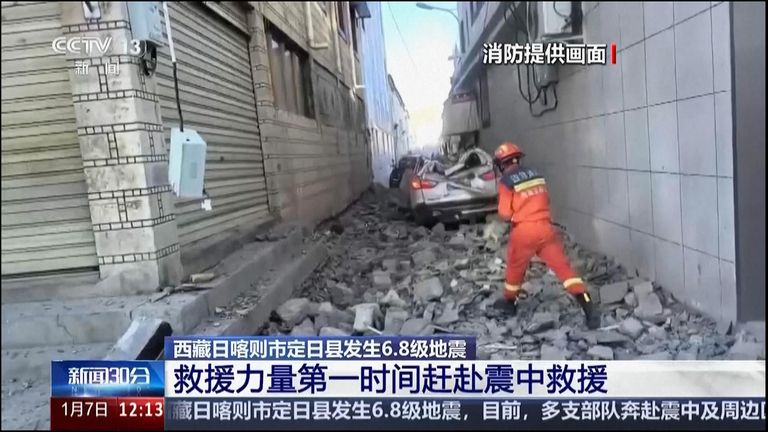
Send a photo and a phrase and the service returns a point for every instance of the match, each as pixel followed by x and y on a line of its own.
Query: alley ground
pixel 385 275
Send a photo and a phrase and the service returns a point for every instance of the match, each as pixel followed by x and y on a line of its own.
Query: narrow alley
pixel 385 275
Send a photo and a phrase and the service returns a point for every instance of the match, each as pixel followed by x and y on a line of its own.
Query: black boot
pixel 507 307
pixel 591 312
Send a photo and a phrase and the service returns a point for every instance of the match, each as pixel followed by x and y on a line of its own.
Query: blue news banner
pixel 435 383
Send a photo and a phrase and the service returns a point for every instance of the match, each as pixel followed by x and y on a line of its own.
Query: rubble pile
pixel 385 275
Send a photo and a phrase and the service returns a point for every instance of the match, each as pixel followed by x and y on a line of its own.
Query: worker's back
pixel 530 198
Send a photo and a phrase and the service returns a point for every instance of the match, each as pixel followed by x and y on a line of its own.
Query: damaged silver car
pixel 466 190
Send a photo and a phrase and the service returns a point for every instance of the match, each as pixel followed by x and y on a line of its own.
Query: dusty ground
pixel 386 275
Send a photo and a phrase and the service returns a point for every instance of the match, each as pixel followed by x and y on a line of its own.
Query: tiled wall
pixel 639 154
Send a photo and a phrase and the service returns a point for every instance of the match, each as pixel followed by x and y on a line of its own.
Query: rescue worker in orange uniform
pixel 524 201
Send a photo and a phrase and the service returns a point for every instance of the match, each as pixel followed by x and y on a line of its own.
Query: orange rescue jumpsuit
pixel 524 200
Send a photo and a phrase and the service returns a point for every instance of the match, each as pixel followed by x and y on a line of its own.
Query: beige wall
pixel 313 169
pixel 638 155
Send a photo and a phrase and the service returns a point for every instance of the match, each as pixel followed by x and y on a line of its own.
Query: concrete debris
pixel 393 299
pixel 450 314
pixel 381 279
pixel 657 332
pixel 541 321
pixel 389 265
pixel 600 352
pixel 689 354
pixel 613 293
pixel 423 258
pixel 430 289
pixel 642 288
pixel 416 327
pixel 649 307
pixel 201 277
pixel 342 295
pixel 385 275
pixel 630 300
pixel 306 328
pixel 742 350
pixel 393 320
pixel 661 355
pixel 365 316
pixel 631 327
pixel 610 337
pixel 550 352
pixel 332 331
pixel 293 311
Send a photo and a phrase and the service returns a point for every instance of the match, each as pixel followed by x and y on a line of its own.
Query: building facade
pixel 400 120
pixel 272 87
pixel 386 114
pixel 639 155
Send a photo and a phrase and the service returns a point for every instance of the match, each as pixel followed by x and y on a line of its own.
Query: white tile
pixel 728 297
pixel 660 67
pixel 696 123
pixel 633 76
pixel 724 134
pixel 658 16
pixel 595 96
pixel 685 9
pixel 617 190
pixel 640 203
pixel 721 46
pixel 612 87
pixel 591 23
pixel 583 195
pixel 636 128
pixel 702 283
pixel 699 206
pixel 726 213
pixel 665 195
pixel 600 193
pixel 613 240
pixel 693 56
pixel 630 22
pixel 615 147
pixel 669 267
pixel 609 22
pixel 662 127
pixel 595 140
pixel 643 255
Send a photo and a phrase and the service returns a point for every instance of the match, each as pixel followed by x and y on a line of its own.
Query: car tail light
pixel 417 183
pixel 490 175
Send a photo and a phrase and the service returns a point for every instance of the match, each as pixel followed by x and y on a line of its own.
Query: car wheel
pixel 423 218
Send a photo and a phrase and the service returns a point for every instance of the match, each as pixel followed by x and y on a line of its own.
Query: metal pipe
pixel 335 31
pixel 310 28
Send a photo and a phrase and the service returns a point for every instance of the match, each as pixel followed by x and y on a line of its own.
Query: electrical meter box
pixel 545 75
pixel 186 167
pixel 147 21
pixel 554 19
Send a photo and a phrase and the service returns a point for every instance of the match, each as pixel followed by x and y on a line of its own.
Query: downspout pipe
pixel 335 36
pixel 310 28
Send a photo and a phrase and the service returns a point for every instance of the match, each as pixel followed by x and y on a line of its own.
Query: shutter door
pixel 217 100
pixel 46 221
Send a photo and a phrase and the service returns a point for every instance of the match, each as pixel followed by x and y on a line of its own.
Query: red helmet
pixel 507 151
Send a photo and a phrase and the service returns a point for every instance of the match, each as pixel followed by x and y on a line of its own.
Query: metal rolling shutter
pixel 46 222
pixel 217 101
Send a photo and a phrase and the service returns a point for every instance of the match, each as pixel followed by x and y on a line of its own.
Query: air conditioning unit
pixel 558 20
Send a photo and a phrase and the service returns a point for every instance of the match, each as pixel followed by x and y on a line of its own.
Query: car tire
pixel 423 218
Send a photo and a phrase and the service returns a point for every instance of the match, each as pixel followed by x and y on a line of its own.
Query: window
pixel 289 69
pixel 474 9
pixel 483 101
pixel 461 37
pixel 342 21
pixel 353 26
